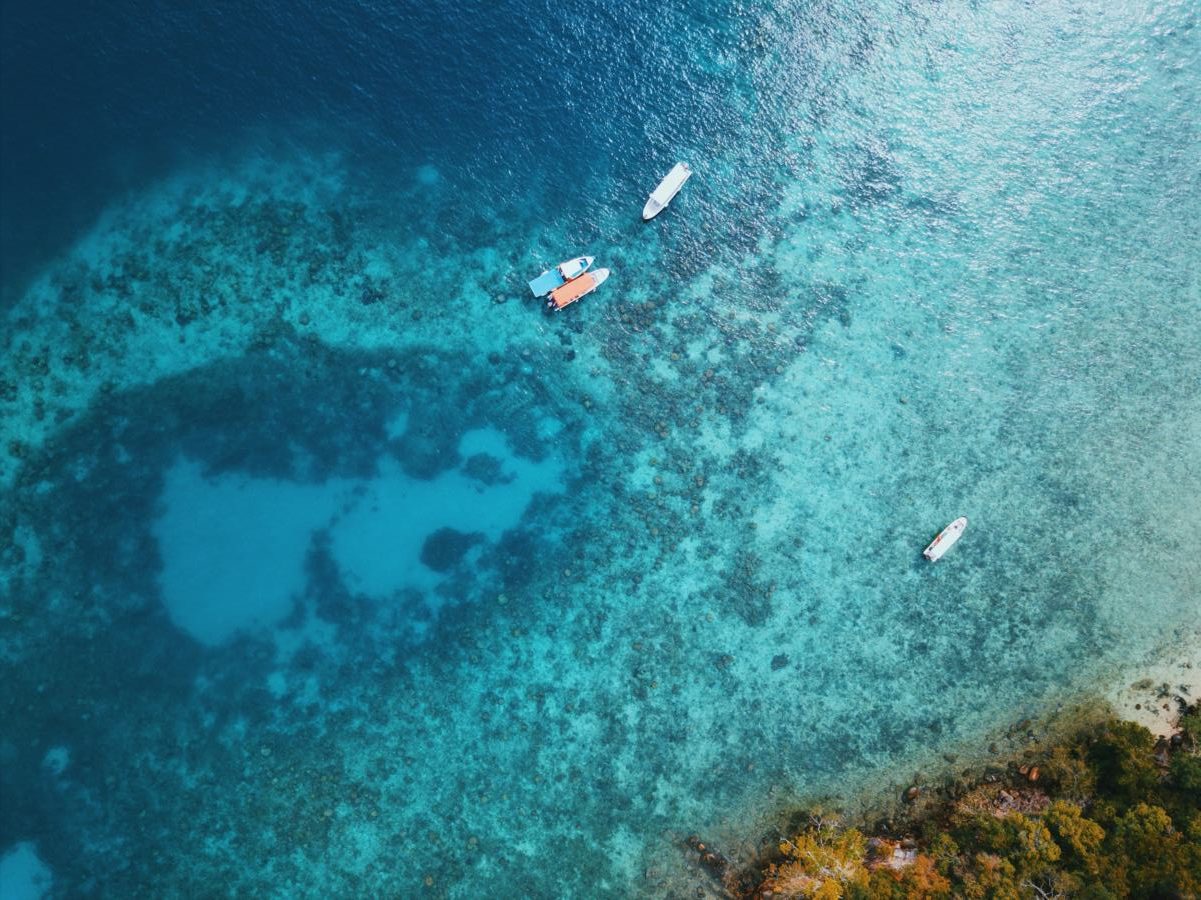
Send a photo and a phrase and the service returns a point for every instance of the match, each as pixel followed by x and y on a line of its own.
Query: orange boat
pixel 576 288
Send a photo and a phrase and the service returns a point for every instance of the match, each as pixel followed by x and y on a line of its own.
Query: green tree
pixel 1192 829
pixel 1096 890
pixel 985 832
pixel 1190 727
pixel 945 852
pixel 1068 774
pixel 1186 775
pixel 1034 850
pixel 1079 837
pixel 1149 856
pixel 989 877
pixel 1025 842
pixel 824 861
pixel 1122 757
pixel 920 880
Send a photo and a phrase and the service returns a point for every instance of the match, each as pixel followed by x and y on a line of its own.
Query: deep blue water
pixel 503 98
pixel 332 566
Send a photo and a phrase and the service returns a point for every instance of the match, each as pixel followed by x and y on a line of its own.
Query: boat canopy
pixel 668 188
pixel 574 267
pixel 573 290
pixel 672 183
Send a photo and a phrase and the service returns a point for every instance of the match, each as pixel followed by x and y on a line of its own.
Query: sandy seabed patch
pixel 1151 699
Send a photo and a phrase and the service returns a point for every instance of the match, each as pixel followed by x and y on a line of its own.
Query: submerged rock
pixel 446 547
pixel 486 469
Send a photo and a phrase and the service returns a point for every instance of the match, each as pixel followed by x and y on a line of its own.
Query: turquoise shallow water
pixel 333 566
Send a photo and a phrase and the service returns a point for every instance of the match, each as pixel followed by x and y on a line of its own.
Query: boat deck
pixel 573 290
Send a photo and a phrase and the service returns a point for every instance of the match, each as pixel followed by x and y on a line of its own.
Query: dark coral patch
pixel 486 469
pixel 446 547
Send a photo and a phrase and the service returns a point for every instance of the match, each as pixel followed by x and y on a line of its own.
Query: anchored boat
pixel 560 275
pixel 946 538
pixel 668 188
pixel 576 288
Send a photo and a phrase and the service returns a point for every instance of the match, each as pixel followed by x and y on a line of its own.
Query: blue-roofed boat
pixel 560 275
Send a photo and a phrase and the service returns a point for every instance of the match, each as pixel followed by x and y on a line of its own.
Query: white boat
pixel 668 188
pixel 945 540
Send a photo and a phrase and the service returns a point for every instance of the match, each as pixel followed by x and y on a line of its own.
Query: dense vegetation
pixel 1109 812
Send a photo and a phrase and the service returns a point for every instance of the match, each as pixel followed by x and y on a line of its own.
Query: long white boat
pixel 945 540
pixel 668 188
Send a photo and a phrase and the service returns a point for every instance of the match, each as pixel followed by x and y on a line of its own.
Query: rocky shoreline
pixel 1098 764
pixel 1153 700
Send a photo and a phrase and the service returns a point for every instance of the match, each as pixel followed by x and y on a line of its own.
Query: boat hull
pixel 945 540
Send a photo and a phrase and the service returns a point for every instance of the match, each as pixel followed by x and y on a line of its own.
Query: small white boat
pixel 945 540
pixel 668 188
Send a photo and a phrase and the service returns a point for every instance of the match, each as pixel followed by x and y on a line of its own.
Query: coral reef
pixel 699 596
